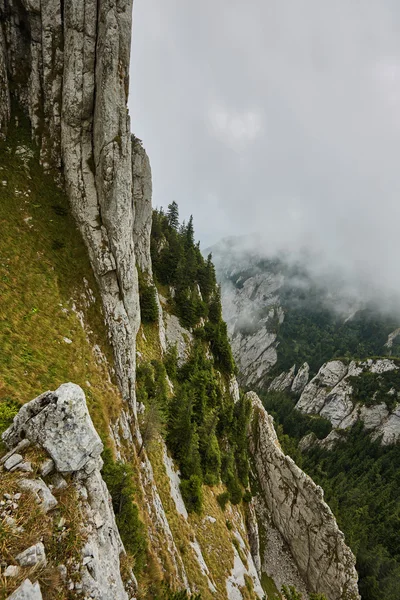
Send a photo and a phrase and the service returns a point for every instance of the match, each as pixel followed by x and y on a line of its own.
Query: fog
pixel 278 117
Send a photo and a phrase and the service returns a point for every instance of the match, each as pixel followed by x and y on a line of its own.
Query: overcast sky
pixel 279 116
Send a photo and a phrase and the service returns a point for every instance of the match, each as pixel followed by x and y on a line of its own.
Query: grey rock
pixel 27 591
pixel 12 571
pixel 301 379
pixel 307 442
pixel 58 482
pixel 23 444
pixel 178 336
pixel 75 65
pixel 32 556
pixel 14 460
pixel 4 88
pixel 300 514
pixel 25 467
pixel 142 192
pixel 59 421
pixel 43 495
pixel 330 394
pixel 47 467
pixel 283 382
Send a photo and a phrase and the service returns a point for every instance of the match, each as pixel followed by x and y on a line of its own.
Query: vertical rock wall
pixel 300 514
pixel 67 65
pixel 142 192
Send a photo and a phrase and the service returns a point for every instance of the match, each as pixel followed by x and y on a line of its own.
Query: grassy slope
pixel 44 273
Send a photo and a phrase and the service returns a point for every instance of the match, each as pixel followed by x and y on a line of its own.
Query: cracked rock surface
pixel 298 511
pixel 68 66
pixel 59 423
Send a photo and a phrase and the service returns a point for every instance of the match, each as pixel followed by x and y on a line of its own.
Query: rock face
pixel 142 192
pixel 301 379
pixel 299 512
pixel 27 591
pixel 68 65
pixel 4 91
pixel 330 394
pixel 251 308
pixel 59 423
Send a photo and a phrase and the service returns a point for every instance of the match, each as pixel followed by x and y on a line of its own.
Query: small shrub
pixel 223 499
pixel 118 477
pixel 247 496
pixel 8 410
pixel 148 301
pixel 192 493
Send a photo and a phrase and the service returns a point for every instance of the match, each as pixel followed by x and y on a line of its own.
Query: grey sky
pixel 281 116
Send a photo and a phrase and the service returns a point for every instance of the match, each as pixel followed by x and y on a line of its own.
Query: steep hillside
pixel 142 475
pixel 313 352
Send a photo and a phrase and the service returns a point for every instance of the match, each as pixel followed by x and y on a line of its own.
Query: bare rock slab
pixel 27 591
pixel 59 422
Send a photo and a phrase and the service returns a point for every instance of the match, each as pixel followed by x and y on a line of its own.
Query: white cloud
pixel 235 127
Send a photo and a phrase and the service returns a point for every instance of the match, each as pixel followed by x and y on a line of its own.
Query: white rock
pixel 142 192
pixel 300 514
pixel 47 467
pixel 27 591
pixel 12 571
pixel 301 379
pixel 32 556
pixel 43 495
pixel 283 382
pixel 59 421
pixel 14 460
pixel 25 467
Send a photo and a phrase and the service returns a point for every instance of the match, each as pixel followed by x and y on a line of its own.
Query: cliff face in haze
pixel 132 316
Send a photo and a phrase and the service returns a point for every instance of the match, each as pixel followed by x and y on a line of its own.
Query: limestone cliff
pixel 67 64
pixel 297 510
pixel 56 430
pixel 346 392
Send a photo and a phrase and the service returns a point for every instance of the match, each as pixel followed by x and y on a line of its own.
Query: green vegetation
pixel 119 479
pixel 8 410
pixel 291 424
pixel 312 331
pixel 45 281
pixel 206 431
pixel 178 263
pixel 168 594
pixel 147 299
pixel 373 388
pixel 361 481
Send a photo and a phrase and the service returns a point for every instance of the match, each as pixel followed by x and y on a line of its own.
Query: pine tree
pixel 173 215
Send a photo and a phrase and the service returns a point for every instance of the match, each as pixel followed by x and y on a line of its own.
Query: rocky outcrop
pixel 298 511
pixel 301 379
pixel 142 192
pixel 59 423
pixel 283 382
pixel 68 66
pixel 4 90
pixel 330 394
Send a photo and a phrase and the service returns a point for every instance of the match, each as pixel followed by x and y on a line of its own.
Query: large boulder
pixel 59 422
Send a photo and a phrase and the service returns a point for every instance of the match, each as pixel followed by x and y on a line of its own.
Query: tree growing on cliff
pixel 173 215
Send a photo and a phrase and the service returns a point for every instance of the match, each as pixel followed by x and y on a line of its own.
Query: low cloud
pixel 281 118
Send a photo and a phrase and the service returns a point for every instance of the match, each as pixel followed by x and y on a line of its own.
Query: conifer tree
pixel 173 215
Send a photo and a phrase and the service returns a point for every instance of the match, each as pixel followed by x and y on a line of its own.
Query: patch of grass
pixel 46 283
pixel 269 587
pixel 148 343
pixel 63 540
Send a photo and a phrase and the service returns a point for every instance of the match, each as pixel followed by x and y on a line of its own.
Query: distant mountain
pixel 282 312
